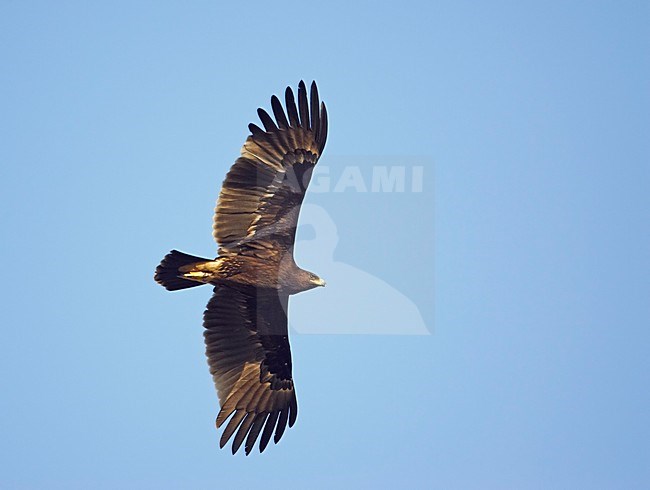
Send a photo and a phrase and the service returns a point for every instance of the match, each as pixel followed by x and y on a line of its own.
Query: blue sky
pixel 526 253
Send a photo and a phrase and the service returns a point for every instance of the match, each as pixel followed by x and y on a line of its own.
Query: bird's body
pixel 232 270
pixel 254 272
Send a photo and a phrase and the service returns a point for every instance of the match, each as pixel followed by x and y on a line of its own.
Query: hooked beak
pixel 319 282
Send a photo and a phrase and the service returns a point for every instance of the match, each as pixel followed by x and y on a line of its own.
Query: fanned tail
pixel 167 272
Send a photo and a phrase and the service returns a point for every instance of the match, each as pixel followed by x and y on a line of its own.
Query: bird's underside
pixel 254 274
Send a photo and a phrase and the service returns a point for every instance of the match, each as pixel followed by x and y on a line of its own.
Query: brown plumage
pixel 254 273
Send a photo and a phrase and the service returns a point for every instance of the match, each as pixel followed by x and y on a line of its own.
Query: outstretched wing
pixel 257 211
pixel 248 352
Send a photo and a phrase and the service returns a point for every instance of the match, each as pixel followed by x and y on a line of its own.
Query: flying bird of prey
pixel 254 273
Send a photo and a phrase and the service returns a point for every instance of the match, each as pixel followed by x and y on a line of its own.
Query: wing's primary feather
pixel 314 106
pixel 257 211
pixel 303 106
pixel 247 346
pixel 278 112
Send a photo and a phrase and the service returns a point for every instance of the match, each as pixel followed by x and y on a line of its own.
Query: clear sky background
pixel 527 253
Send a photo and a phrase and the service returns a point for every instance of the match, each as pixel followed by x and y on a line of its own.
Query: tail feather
pixel 167 272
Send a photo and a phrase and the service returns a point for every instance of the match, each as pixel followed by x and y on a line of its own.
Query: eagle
pixel 254 273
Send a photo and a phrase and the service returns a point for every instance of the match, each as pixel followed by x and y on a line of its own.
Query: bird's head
pixel 309 280
pixel 293 279
pixel 315 280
